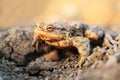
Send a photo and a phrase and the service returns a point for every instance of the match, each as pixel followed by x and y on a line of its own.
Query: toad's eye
pixel 49 28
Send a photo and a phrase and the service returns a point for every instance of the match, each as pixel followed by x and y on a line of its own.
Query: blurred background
pixel 105 13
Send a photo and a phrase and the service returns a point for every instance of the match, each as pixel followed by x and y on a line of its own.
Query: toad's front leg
pixel 83 46
pixel 36 42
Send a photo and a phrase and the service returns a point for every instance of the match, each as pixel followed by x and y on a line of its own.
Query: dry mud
pixel 20 61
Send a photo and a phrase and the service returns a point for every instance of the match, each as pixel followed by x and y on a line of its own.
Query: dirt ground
pixel 20 61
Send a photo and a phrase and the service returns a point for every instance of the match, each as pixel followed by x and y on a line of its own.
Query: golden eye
pixel 49 27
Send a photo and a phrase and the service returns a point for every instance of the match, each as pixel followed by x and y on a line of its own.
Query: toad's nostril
pixel 35 25
pixel 39 26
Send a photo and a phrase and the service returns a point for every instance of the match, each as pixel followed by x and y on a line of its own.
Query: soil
pixel 20 61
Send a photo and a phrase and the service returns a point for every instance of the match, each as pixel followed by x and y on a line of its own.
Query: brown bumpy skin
pixel 60 38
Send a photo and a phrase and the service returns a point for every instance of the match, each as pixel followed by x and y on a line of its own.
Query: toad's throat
pixel 52 39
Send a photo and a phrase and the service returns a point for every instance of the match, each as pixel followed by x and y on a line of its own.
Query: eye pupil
pixel 49 27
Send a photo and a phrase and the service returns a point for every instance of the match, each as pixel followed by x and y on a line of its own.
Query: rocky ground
pixel 20 61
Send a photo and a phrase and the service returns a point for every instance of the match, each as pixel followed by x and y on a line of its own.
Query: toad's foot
pixel 81 62
pixel 36 43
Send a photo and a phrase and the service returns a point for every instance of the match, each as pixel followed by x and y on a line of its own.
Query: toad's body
pixel 61 36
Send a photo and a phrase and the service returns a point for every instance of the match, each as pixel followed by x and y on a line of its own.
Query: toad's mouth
pixel 47 36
